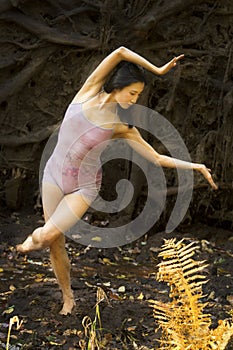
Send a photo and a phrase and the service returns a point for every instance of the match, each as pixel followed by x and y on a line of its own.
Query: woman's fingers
pixel 212 183
pixel 206 172
pixel 177 58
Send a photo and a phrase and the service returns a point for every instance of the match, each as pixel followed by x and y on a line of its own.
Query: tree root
pixel 71 13
pixel 172 191
pixel 23 46
pixel 33 137
pixel 13 85
pixel 6 5
pixel 49 34
pixel 177 43
pixel 157 14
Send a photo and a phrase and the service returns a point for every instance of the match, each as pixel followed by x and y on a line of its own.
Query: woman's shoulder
pixel 85 95
pixel 81 98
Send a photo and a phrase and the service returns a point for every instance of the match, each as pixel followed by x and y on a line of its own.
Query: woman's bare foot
pixel 28 245
pixel 67 306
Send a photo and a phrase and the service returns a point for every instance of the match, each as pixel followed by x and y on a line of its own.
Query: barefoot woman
pixel 91 119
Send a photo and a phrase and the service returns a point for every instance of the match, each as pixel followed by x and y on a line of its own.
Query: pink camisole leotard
pixel 75 165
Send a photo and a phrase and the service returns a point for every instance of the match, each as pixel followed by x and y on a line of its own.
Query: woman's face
pixel 129 95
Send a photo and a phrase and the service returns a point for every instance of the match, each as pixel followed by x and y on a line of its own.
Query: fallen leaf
pixel 39 277
pixel 12 287
pixel 127 258
pixel 230 299
pixel 34 262
pixel 106 261
pixel 141 296
pixel 57 344
pixel 154 249
pixel 96 239
pixel 121 289
pixel 114 296
pixel 68 332
pixel 9 310
pixel 107 284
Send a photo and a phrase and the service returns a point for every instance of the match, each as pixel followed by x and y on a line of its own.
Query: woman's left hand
pixel 166 68
pixel 176 59
pixel 207 174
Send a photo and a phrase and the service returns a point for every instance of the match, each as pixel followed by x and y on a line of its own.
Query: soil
pixel 126 275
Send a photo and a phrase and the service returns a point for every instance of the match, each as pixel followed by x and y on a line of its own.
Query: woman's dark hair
pixel 125 74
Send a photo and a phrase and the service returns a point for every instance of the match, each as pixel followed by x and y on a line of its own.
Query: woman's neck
pixel 103 101
pixel 107 101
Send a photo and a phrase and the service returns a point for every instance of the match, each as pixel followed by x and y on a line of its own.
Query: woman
pixel 91 120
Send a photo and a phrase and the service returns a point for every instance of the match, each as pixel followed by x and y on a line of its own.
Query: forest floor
pixel 127 275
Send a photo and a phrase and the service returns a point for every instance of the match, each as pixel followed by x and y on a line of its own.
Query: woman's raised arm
pixel 97 78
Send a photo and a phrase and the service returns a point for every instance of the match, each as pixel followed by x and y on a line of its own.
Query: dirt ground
pixel 127 275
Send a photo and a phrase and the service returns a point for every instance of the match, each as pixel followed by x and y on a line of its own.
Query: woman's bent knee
pixel 46 237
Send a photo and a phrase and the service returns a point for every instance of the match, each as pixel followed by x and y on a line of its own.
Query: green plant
pixel 182 321
pixel 92 329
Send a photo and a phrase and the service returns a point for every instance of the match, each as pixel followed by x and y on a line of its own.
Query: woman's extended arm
pixel 135 140
pixel 96 80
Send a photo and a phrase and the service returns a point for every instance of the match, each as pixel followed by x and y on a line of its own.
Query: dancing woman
pixel 72 179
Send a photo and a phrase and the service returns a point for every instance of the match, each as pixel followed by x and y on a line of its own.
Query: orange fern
pixel 183 322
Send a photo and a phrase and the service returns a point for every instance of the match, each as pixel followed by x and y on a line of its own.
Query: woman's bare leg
pixel 61 212
pixel 61 267
pixel 59 258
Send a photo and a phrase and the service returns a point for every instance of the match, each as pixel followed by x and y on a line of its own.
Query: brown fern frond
pixel 221 335
pixel 183 322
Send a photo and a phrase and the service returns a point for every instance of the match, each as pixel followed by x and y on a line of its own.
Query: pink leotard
pixel 75 164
